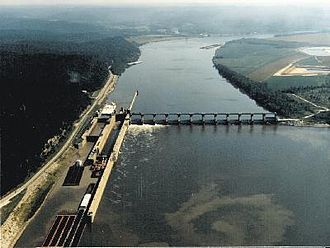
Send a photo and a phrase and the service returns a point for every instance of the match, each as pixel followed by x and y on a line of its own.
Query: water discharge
pixel 211 185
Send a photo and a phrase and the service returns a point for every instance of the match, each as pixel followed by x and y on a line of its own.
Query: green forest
pixel 43 91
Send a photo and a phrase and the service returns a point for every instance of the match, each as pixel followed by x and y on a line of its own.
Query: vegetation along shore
pixel 281 74
pixel 49 84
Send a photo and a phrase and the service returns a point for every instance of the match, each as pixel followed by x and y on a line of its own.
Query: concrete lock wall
pixel 105 134
pixel 107 172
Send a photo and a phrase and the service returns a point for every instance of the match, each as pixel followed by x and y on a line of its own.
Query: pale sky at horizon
pixel 165 2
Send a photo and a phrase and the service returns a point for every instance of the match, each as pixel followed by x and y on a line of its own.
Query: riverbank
pixel 243 161
pixel 42 99
pixel 145 39
pixel 274 101
pixel 38 187
pixel 256 66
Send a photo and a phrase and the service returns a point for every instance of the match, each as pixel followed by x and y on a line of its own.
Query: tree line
pixel 43 91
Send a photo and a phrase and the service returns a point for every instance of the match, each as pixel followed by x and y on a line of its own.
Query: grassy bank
pixel 256 67
pixel 28 209
pixel 274 101
pixel 6 210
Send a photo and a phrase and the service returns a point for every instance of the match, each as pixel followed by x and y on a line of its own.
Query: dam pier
pixel 203 118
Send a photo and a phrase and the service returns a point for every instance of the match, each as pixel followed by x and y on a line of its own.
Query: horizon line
pixel 168 3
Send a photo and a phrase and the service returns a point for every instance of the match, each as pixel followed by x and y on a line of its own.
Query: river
pixel 212 185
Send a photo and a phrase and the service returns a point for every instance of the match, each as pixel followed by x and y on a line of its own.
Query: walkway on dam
pixel 202 118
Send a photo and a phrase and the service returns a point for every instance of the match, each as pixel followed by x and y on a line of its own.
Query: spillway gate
pixel 202 118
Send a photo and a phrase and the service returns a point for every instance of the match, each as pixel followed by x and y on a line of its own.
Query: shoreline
pixel 160 38
pixel 146 39
pixel 20 217
pixel 110 89
pixel 305 125
pixel 13 223
pixel 261 95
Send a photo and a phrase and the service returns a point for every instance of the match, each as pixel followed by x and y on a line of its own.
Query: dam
pixel 217 172
pixel 172 169
pixel 102 164
pixel 203 118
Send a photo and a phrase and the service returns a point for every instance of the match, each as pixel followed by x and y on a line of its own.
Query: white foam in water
pixel 134 135
pixel 139 129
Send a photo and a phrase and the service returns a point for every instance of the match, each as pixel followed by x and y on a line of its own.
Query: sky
pixel 165 2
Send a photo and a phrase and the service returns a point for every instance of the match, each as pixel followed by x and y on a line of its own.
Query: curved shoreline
pixel 264 97
pixel 43 203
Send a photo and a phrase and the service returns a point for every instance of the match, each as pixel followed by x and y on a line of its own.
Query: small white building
pixel 109 109
pixel 107 112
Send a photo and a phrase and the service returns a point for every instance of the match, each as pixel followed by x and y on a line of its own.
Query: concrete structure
pixel 95 131
pixel 101 184
pixel 108 111
pixel 203 118
pixel 107 172
pixel 101 139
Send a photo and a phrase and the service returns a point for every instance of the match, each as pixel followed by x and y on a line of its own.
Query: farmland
pixel 324 60
pixel 310 61
pixel 316 39
pixel 246 56
pixel 284 64
pixel 289 82
pixel 266 60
